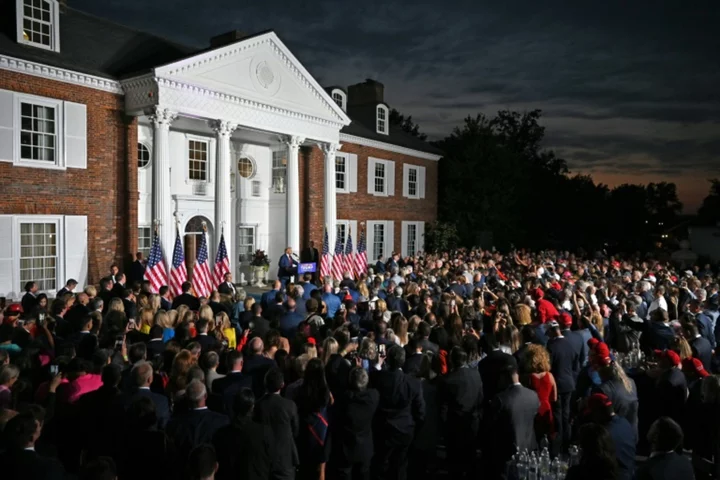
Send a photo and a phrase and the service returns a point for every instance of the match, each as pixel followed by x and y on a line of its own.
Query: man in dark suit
pixel 118 289
pixel 287 267
pixel 68 288
pixel 227 287
pixel 565 366
pixel 423 333
pixel 510 415
pixel 29 300
pixel 207 342
pixel 401 409
pixel 490 366
pixel 281 415
pixel 245 449
pixel 235 380
pixel 311 255
pixel 351 428
pixel 142 374
pixel 700 345
pixel 165 303
pixel 155 346
pixel 21 461
pixel 665 463
pixel 256 365
pixel 198 425
pixel 268 298
pixel 186 298
pixel 137 270
pixel 460 397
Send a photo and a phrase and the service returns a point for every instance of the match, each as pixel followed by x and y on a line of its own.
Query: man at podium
pixel 287 267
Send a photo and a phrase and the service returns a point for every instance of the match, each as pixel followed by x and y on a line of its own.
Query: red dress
pixel 544 422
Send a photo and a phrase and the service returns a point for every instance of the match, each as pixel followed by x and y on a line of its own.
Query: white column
pixel 293 193
pixel 162 209
pixel 223 199
pixel 330 192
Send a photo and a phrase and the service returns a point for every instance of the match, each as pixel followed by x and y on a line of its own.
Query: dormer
pixel 38 23
pixel 382 119
pixel 366 101
pixel 340 97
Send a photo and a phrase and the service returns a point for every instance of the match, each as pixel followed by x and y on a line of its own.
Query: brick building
pixel 106 132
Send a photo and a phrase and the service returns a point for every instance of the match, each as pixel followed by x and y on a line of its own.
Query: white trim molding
pixel 366 142
pixel 59 74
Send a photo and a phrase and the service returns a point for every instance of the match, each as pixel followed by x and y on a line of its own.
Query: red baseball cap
pixel 538 293
pixel 593 342
pixel 311 341
pixel 602 351
pixel 694 365
pixel 13 310
pixel 597 401
pixel 668 355
pixel 565 319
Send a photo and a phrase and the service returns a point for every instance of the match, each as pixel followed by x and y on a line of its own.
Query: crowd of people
pixel 452 363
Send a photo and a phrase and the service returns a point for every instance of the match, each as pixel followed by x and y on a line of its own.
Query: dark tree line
pixel 497 181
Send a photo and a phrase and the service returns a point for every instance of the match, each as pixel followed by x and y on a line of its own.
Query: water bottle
pixel 533 468
pixel 555 469
pixel 545 463
pixel 544 443
pixel 523 465
pixel 574 455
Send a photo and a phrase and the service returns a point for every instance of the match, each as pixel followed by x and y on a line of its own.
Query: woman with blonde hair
pixel 147 320
pixel 206 313
pixel 227 330
pixel 116 305
pixel 537 365
pixel 330 347
pixel 363 290
pixel 163 319
pixel 154 302
pixel 399 325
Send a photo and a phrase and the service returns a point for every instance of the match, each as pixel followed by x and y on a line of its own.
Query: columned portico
pixel 293 192
pixel 162 212
pixel 223 222
pixel 330 191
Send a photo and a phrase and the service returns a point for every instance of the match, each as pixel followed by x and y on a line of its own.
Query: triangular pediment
pixel 259 69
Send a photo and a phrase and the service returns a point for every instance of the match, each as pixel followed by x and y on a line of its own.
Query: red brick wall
pixel 362 206
pixel 100 191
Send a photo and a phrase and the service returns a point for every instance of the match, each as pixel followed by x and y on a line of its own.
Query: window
pixel 143 155
pixel 39 24
pixel 382 119
pixel 246 243
pixel 411 239
pixel 198 160
pixel 341 171
pixel 339 97
pixel 256 188
pixel 379 177
pixel 279 171
pixel 144 241
pixel 413 182
pixel 342 232
pixel 38 254
pixel 38 132
pixel 378 240
pixel 246 168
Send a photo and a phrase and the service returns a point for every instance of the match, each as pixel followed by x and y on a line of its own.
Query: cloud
pixel 625 89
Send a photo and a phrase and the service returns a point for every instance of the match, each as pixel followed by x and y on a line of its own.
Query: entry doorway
pixel 193 231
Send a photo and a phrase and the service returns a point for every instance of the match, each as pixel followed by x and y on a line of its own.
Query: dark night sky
pixel 630 90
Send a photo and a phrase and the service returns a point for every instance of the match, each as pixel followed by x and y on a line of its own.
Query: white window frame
pixel 255 188
pixel 57 105
pixel 376 254
pixel 384 127
pixel 419 246
pixel 410 169
pixel 273 168
pixel 346 173
pixel 389 179
pixel 57 221
pixel 145 251
pixel 343 98
pixel 54 24
pixel 150 159
pixel 18 220
pixel 206 141
pixel 254 243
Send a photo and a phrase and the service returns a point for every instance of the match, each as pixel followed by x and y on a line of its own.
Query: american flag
pixel 337 263
pixel 222 264
pixel 325 256
pixel 155 271
pixel 361 255
pixel 349 255
pixel 202 281
pixel 178 271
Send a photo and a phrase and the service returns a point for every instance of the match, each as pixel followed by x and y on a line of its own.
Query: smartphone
pixel 41 319
pixel 468 326
pixel 381 350
pixel 119 340
pixel 54 370
pixel 132 325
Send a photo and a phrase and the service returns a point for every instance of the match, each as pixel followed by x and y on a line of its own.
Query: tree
pixel 406 124
pixel 440 237
pixel 662 202
pixel 709 211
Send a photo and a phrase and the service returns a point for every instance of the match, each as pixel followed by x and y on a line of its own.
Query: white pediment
pixel 260 69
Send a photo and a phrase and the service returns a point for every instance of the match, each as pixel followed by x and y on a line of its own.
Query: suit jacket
pixel 207 342
pixel 281 415
pixel 460 396
pixel 28 464
pixel 186 299
pixel 490 368
pixel 194 428
pixel 155 347
pixel 666 466
pixel 511 416
pixel 245 449
pixel 287 267
pixel 413 363
pixel 28 303
pixel 268 298
pixel 351 426
pixel 165 304
pixel 564 363
pixel 256 366
pixel 401 406
pixel 226 289
pixel 130 309
pixel 310 255
pixel 137 272
pixel 228 386
pixel 162 405
pixel 702 350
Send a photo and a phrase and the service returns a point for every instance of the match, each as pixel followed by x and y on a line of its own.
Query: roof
pixel 93 45
pixel 396 136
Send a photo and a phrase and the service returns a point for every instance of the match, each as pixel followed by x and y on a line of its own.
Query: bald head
pixel 142 374
pixel 257 346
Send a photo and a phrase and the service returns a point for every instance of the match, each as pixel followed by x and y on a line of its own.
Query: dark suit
pixel 311 255
pixel 245 449
pixel 287 267
pixel 155 347
pixel 186 299
pixel 565 367
pixel 413 363
pixel 28 302
pixel 162 406
pixel 99 419
pixel 510 417
pixel 401 408
pixel 228 386
pixel 207 342
pixel 281 415
pixel 29 465
pixel 226 288
pixel 702 350
pixel 137 272
pixel 194 428
pixel 490 368
pixel 130 309
pixel 351 433
pixel 460 397
pixel 666 466
pixel 256 366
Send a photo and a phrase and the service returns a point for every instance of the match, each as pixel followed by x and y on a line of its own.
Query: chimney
pixel 227 38
pixel 369 92
pixel 63 6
